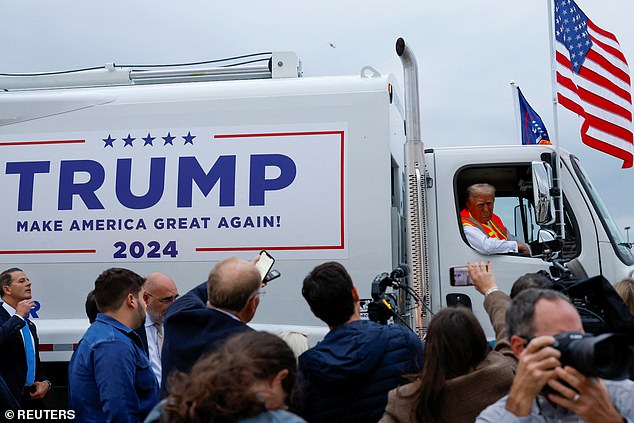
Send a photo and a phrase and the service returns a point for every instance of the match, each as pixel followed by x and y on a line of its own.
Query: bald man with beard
pixel 159 291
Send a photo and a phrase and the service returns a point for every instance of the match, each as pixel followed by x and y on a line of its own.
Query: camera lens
pixel 612 356
pixel 606 355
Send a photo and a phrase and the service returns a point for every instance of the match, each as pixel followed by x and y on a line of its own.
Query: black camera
pixel 607 355
pixel 385 306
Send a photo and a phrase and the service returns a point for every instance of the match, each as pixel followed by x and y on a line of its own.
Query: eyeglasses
pixel 164 300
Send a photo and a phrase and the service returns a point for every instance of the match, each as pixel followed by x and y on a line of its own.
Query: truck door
pixel 514 206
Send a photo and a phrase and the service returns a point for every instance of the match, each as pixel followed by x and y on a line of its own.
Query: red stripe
pixel 597 101
pixel 305 247
pixel 14 143
pixel 603 103
pixel 569 104
pixel 51 347
pixel 566 82
pixel 610 149
pixel 595 121
pixel 610 49
pixel 608 66
pixel 602 31
pixel 609 127
pixel 593 98
pixel 593 142
pixel 341 192
pixel 8 252
pixel 277 134
pixel 594 77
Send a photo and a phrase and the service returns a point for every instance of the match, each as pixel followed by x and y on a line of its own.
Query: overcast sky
pixel 467 52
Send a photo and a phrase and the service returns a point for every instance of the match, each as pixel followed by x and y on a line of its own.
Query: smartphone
pixel 273 274
pixel 459 276
pixel 264 264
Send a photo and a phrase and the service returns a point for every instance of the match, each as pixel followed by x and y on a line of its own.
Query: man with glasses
pixel 206 316
pixel 159 291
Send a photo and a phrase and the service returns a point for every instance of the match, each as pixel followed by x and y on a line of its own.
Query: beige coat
pixel 464 397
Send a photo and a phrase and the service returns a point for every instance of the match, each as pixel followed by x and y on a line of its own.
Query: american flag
pixel 594 82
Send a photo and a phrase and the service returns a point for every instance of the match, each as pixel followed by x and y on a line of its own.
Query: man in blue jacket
pixel 201 320
pixel 347 376
pixel 109 375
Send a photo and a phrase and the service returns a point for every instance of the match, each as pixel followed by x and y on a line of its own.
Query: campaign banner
pixel 181 194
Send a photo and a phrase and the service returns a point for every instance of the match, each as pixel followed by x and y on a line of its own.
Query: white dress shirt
pixel 482 243
pixel 152 343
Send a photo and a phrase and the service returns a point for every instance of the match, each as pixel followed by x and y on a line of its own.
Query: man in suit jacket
pixel 201 320
pixel 159 291
pixel 25 380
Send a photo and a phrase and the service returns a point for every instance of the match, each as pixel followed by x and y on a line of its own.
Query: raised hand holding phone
pixel 264 264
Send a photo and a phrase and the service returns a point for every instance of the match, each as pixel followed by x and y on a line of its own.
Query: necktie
pixel 159 337
pixel 29 349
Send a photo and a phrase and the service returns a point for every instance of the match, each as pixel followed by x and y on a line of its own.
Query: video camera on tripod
pixel 384 306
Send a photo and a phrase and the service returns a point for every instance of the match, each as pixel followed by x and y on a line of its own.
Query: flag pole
pixel 516 108
pixel 553 79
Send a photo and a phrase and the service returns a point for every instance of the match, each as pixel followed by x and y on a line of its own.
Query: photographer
pixel 543 390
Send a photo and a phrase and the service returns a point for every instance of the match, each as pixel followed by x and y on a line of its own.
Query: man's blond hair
pixel 480 189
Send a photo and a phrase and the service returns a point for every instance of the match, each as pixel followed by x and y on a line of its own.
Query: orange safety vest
pixel 494 228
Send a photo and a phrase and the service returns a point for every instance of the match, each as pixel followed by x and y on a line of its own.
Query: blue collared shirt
pixel 110 377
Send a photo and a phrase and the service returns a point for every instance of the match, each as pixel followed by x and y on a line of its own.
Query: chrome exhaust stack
pixel 415 204
pixel 410 80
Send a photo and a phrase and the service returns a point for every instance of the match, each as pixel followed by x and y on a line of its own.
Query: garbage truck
pixel 173 169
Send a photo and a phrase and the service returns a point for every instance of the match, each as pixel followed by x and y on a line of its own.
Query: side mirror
pixel 545 235
pixel 544 203
pixel 547 244
pixel 549 240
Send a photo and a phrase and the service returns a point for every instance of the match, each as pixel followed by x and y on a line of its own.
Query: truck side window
pixel 512 207
pixel 514 204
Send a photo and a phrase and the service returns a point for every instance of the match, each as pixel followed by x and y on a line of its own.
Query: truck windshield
pixel 621 247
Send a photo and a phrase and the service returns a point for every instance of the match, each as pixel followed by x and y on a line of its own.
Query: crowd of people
pixel 153 355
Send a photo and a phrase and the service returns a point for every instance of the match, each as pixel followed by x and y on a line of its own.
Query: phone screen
pixel 264 263
pixel 459 276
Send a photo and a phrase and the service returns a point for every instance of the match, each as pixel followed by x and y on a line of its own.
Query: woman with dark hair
pixel 247 380
pixel 461 376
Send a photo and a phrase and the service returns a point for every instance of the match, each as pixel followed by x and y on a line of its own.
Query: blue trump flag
pixel 533 129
